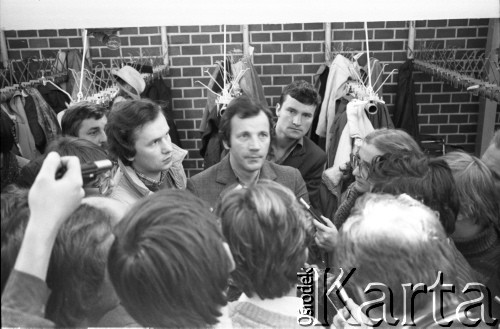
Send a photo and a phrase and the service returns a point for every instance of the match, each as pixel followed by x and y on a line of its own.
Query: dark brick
pixel 393 45
pixel 313 26
pixel 440 98
pixel 68 33
pixel 458 22
pixel 257 48
pixel 302 58
pixel 437 23
pixel 218 38
pixel 459 118
pixel 94 52
pixel 181 61
pixel 148 30
pixel 423 98
pixel 423 119
pixel 282 59
pixel 139 41
pixel 476 43
pixel 271 48
pixel 254 27
pixel 282 36
pixel 14 54
pixel 272 90
pixel 130 51
pixel 183 104
pixel 402 34
pixel 467 128
pixel 420 24
pixel 439 118
pixel 445 33
pixel 431 87
pixel 482 32
pixel 38 43
pixel 301 36
pixel 105 52
pixel 425 33
pixel 185 124
pixel 375 25
pixel 354 25
pixel 263 59
pixel 310 69
pixel 58 43
pixel 311 47
pixel 473 118
pixel 466 33
pixel 399 56
pixel 460 98
pixel 282 80
pixel 456 139
pixel 18 43
pixel 151 51
pixel 296 26
pixel 342 35
pixel 210 28
pixel 455 43
pixel 155 40
pixel 129 30
pixel 202 60
pixel 30 53
pixel 236 37
pixel 448 129
pixel 179 83
pixel 191 72
pixel 479 22
pixel 190 29
pixel 13 34
pixel 271 27
pixel 318 36
pixel 192 93
pixel 291 47
pixel 172 29
pixel 469 108
pixel 266 81
pixel 353 46
pixel 49 53
pixel 292 69
pixel 375 45
pixel 427 129
pixel 233 28
pixel 384 34
pixel 191 50
pixel 383 56
pixel 202 38
pixel 177 93
pixel 260 37
pixel 179 39
pixel 395 24
pixel 361 35
pixel 27 33
pixel 429 109
pixel 319 58
pixel 272 69
pixel 75 42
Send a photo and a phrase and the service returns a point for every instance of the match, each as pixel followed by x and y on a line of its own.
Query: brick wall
pixel 283 53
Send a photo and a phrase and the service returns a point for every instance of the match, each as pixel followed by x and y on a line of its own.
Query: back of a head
pixel 393 240
pixel 124 120
pixel 302 91
pixel 476 188
pixel 168 263
pixel 75 114
pixel 427 180
pixel 268 233
pixel 393 141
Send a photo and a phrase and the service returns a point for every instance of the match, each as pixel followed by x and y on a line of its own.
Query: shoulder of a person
pixel 314 149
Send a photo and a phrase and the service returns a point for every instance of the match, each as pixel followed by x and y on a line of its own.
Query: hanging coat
pixel 406 111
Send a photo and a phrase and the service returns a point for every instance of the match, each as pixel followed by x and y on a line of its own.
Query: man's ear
pixel 278 107
pixel 226 146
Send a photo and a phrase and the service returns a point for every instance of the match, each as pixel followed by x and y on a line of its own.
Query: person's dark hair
pixel 77 266
pixel 268 233
pixel 7 139
pixel 168 263
pixel 243 107
pixel 427 180
pixel 14 218
pixel 77 262
pixel 84 150
pixel 302 91
pixel 71 121
pixel 124 120
pixel 476 189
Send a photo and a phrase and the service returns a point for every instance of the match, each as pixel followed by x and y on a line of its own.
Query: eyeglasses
pixel 104 181
pixel 356 161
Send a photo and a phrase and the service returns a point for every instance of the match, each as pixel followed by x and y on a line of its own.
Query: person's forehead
pixel 259 122
pixel 291 102
pixel 153 129
pixel 368 151
pixel 92 123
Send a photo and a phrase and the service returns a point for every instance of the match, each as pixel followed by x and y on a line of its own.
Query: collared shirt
pixel 271 155
pixel 152 184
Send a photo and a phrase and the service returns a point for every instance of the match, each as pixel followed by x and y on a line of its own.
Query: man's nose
pixel 255 143
pixel 166 145
pixel 297 120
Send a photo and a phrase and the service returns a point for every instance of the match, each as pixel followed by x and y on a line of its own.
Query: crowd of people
pixel 141 244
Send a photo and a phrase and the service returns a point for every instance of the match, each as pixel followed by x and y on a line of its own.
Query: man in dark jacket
pixel 291 147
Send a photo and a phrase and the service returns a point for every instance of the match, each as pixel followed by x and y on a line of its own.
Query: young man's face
pixel 93 131
pixel 294 118
pixel 250 139
pixel 153 148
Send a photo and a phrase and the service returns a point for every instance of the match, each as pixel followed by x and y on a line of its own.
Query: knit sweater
pixel 248 315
